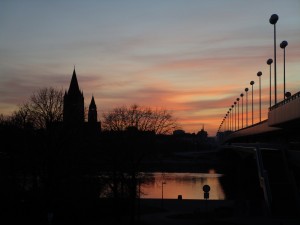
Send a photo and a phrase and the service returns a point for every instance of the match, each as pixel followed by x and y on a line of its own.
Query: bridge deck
pixel 285 112
pixel 255 129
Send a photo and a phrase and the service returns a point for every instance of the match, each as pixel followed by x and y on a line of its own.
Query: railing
pixel 285 101
pixel 227 133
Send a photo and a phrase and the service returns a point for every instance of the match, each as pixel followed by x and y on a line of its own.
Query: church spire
pixel 92 115
pixel 74 87
pixel 93 104
pixel 73 103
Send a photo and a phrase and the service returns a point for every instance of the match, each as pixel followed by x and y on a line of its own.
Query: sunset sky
pixel 191 57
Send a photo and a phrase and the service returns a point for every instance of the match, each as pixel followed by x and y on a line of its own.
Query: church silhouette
pixel 74 111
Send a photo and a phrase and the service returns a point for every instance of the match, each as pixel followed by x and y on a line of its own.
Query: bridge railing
pixel 285 101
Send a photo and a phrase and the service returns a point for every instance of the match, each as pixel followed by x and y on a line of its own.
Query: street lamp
pixel 234 116
pixel 273 20
pixel 259 73
pixel 283 45
pixel 242 95
pixel 222 124
pixel 246 90
pixel 238 112
pixel 228 123
pixel 252 82
pixel 230 120
pixel 269 62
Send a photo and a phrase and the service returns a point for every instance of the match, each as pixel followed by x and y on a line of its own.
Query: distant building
pixel 202 135
pixel 73 110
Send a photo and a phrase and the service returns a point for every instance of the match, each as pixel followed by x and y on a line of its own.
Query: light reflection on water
pixel 189 185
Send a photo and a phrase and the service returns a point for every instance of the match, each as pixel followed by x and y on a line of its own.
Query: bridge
pixel 273 145
pixel 283 121
pixel 263 160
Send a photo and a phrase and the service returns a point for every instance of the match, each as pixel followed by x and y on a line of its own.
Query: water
pixel 189 185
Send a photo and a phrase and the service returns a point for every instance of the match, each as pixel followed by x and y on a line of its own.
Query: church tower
pixel 73 114
pixel 93 126
pixel 92 116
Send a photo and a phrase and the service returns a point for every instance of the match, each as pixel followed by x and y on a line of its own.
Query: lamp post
pixel 273 20
pixel 221 126
pixel 246 90
pixel 252 82
pixel 269 62
pixel 283 45
pixel 259 73
pixel 234 116
pixel 238 102
pixel 230 119
pixel 229 114
pixel 242 95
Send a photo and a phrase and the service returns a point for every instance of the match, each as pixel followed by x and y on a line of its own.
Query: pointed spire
pixel 93 104
pixel 92 116
pixel 74 87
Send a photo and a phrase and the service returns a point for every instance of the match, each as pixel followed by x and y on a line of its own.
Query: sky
pixel 191 57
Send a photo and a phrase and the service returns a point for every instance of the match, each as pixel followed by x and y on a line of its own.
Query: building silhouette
pixel 92 116
pixel 202 134
pixel 73 114
pixel 74 110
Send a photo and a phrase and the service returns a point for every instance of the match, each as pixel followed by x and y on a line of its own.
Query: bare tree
pixel 22 117
pixel 4 120
pixel 44 107
pixel 143 118
pixel 18 119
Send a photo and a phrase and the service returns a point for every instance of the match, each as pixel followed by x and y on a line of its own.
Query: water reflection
pixel 189 185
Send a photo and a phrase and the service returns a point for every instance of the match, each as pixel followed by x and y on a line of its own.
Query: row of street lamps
pixel 230 122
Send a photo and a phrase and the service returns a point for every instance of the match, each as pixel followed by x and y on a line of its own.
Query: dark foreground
pixel 149 212
pixel 190 212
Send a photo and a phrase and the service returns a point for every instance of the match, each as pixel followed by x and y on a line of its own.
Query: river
pixel 188 185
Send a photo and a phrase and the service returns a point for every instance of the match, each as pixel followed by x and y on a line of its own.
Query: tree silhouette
pixel 143 118
pixel 44 107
